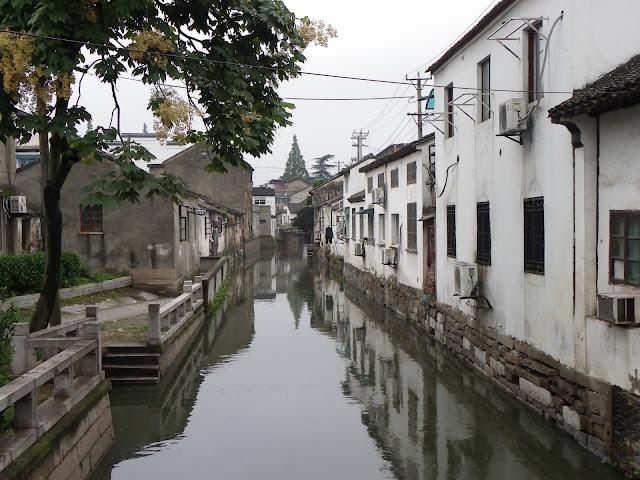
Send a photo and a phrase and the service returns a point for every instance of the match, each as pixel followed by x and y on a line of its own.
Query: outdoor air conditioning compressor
pixel 466 279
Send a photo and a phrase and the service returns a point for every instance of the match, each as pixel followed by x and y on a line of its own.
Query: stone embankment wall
pixel 73 448
pixel 602 418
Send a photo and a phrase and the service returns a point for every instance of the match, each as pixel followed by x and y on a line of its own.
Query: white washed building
pixel 398 222
pixel 328 215
pixel 531 202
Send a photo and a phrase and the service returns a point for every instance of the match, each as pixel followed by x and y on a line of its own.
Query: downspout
pixel 597 198
pixel 576 142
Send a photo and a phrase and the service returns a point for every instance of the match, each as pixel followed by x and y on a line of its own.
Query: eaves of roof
pixel 619 88
pixel 497 10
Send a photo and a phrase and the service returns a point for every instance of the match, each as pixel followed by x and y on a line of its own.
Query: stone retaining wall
pixel 24 301
pixel 603 419
pixel 73 448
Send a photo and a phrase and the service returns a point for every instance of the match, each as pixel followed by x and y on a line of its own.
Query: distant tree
pixel 304 220
pixel 231 55
pixel 295 163
pixel 321 167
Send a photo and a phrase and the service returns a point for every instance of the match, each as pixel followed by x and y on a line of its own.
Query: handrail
pixel 164 320
pixel 74 364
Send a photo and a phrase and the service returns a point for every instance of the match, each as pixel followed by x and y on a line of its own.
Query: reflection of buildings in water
pixel 264 278
pixel 427 424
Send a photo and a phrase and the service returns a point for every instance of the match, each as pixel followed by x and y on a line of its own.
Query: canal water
pixel 299 379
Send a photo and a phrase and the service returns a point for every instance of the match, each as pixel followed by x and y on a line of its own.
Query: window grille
pixel 451 230
pixel 394 178
pixel 483 244
pixel 624 247
pixel 91 219
pixel 411 173
pixel 412 227
pixel 534 235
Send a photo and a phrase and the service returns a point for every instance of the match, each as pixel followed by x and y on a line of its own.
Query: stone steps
pixel 131 364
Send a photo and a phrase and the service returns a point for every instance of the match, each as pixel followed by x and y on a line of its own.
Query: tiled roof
pixel 395 153
pixel 263 192
pixel 356 197
pixel 620 88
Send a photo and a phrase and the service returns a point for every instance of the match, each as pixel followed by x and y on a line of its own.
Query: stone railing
pixel 166 320
pixel 71 367
pixel 214 277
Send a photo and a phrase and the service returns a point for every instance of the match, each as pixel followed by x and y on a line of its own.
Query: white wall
pixel 535 308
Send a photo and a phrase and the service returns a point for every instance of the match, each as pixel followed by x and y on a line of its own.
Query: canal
pixel 299 379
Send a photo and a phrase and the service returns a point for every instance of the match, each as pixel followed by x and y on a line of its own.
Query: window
pixel 412 227
pixel 381 180
pixel 369 184
pixel 91 219
pixel 361 225
pixel 485 90
pixel 381 233
pixel 625 247
pixel 182 214
pixel 394 178
pixel 451 230
pixel 260 201
pixel 353 224
pixel 395 229
pixel 411 173
pixel 534 235
pixel 483 243
pixel 534 87
pixel 347 212
pixel 448 98
pixel 262 221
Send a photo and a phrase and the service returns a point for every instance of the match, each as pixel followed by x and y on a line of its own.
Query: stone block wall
pixel 73 448
pixel 603 419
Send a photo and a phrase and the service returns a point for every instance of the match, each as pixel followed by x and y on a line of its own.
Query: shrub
pixel 22 274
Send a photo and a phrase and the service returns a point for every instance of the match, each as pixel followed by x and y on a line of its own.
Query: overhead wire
pixel 327 75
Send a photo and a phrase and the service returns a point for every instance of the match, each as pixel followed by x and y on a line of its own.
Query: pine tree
pixel 295 163
pixel 322 166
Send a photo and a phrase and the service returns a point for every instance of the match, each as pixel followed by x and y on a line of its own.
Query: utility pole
pixel 359 138
pixel 418 86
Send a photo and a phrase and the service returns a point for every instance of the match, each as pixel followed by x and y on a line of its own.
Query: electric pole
pixel 359 138
pixel 418 86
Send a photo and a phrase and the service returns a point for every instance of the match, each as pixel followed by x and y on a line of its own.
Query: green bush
pixel 22 274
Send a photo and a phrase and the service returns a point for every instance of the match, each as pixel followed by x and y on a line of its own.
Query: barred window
pixel 182 213
pixel 534 235
pixel 483 244
pixel 91 219
pixel 624 249
pixel 381 180
pixel 411 173
pixel 369 184
pixel 451 230
pixel 394 178
pixel 412 227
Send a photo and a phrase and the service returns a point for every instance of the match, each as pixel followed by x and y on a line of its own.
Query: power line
pixel 382 112
pixel 199 59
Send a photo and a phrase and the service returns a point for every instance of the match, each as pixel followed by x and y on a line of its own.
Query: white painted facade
pixel 554 311
pixel 388 226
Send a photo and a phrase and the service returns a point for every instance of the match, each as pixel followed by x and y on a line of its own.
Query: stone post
pixel 198 279
pixel 24 416
pixel 188 305
pixel 153 335
pixel 63 384
pixel 91 364
pixel 23 355
pixel 91 312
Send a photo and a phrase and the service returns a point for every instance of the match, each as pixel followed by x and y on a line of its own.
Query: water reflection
pixel 430 416
pixel 300 381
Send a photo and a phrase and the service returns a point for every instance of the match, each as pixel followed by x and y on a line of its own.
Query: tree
pixel 295 163
pixel 321 167
pixel 304 220
pixel 230 56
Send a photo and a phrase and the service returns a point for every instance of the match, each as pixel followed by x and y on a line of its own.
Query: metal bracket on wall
pixel 468 100
pixel 507 32
pixel 432 117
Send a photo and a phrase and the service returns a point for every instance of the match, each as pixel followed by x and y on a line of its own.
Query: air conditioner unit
pixel 618 309
pixel 378 196
pixel 390 257
pixel 511 117
pixel 358 249
pixel 18 205
pixel 466 279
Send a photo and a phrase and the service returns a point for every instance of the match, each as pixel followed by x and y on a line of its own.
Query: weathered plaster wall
pixel 535 308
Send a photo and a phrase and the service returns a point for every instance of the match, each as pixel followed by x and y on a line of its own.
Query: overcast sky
pixel 376 39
